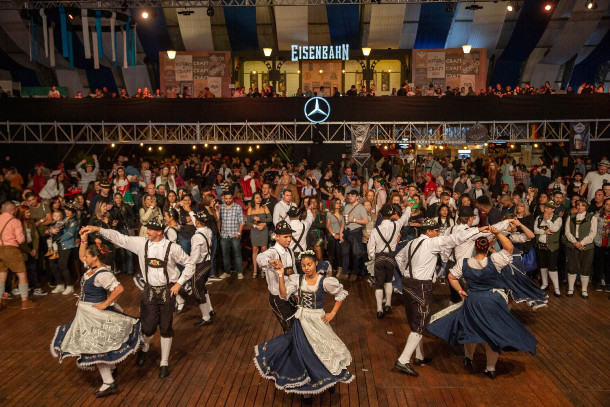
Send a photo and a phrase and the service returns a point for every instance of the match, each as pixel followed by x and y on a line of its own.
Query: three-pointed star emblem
pixel 317 110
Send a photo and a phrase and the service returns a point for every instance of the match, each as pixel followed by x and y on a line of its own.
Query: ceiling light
pixel 113 145
pixel 145 14
pixel 141 144
pixel 591 5
pixel 466 48
pixel 366 52
pixel 194 147
pixel 267 52
pixel 210 11
pixel 149 148
pixel 509 7
pixel 171 54
pixel 548 6
pixel 70 16
pixel 321 70
pixel 215 147
pixel 160 148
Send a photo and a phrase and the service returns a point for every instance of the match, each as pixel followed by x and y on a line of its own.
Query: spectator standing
pixel 258 218
pixel 355 218
pixel 66 245
pixel 595 180
pixel 54 93
pixel 231 225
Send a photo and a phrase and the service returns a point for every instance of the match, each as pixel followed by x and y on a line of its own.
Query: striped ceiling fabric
pixel 196 31
pixel 385 26
pixel 317 30
pixel 409 26
pixel 434 25
pixel 264 28
pixel 291 26
pixel 220 35
pixel 344 24
pixel 460 27
pixel 486 27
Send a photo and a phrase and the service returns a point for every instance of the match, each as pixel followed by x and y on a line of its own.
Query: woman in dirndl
pixel 99 335
pixel 483 316
pixel 310 358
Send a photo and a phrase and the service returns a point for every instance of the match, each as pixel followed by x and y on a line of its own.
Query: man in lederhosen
pixel 381 246
pixel 200 257
pixel 162 281
pixel 300 228
pixel 417 263
pixel 271 258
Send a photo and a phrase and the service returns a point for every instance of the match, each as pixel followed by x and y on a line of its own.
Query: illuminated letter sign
pixel 328 52
pixel 317 110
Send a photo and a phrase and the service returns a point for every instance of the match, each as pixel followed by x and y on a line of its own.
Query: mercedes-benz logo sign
pixel 317 110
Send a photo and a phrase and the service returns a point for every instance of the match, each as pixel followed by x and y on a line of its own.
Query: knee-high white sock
pixel 24 290
pixel 387 288
pixel 179 299
pixel 469 349
pixel 147 340
pixel 205 311
pixel 584 281
pixel 379 298
pixel 106 373
pixel 419 351
pixel 544 275
pixel 571 281
pixel 412 341
pixel 492 358
pixel 554 277
pixel 208 301
pixel 166 347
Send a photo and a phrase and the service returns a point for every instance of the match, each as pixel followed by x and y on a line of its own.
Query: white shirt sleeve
pixel 106 280
pixel 134 244
pixel 403 219
pixel 334 287
pixel 180 257
pixel 292 284
pixel 589 238
pixel 501 259
pixel 569 234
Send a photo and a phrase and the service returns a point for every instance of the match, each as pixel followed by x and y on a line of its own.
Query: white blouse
pixel 331 285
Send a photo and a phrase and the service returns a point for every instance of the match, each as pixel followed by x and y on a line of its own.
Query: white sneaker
pixel 16 292
pixel 240 276
pixel 214 278
pixel 224 275
pixel 58 289
pixel 69 290
pixel 38 292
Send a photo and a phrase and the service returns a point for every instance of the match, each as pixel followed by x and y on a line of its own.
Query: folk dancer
pixel 581 229
pixel 484 317
pixel 381 249
pixel 298 244
pixel 158 259
pixel 547 228
pixel 99 334
pixel 282 308
pixel 417 261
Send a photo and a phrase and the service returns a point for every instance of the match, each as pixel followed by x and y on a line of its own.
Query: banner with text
pixel 450 67
pixel 579 139
pixel 196 71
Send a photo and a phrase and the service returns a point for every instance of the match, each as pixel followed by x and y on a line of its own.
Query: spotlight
pixel 389 70
pixel 145 14
pixel 249 149
pixel 321 70
pixel 160 148
pixel 343 71
pixel 210 11
pixel 206 145
pixel 149 148
pixel 548 6
pixel 215 147
pixel 194 147
pixel 385 147
pixel 298 71
pixel 141 144
pixel 237 149
pixel 257 146
pixel 535 145
pixel 254 72
pixel 591 5
pixel 509 7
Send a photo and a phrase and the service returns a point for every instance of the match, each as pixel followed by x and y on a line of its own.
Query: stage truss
pixel 186 4
pixel 451 133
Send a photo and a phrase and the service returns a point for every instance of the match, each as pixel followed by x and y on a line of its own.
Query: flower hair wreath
pixel 310 253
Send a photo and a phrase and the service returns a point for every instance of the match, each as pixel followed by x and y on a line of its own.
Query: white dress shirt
pixel 376 245
pixel 300 227
pixel 279 211
pixel 465 250
pixel 499 259
pixel 574 236
pixel 276 252
pixel 136 244
pixel 553 227
pixel 200 249
pixel 424 260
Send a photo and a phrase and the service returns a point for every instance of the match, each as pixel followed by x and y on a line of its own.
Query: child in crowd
pixel 54 237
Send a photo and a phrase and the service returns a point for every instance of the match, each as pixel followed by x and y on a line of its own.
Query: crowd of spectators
pixel 246 195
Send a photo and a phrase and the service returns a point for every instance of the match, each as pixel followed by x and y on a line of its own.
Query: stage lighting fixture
pixel 160 148
pixel 171 54
pixel 343 71
pixel 237 149
pixel 206 145
pixel 548 6
pixel 249 149
pixel 321 70
pixel 194 147
pixel 258 146
pixel 210 11
pixel 591 5
pixel 215 147
pixel 145 14
pixel 298 71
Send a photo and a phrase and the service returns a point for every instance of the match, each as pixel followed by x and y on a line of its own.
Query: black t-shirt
pixel 270 202
pixel 328 185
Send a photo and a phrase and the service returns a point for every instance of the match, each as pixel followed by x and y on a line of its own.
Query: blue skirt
pixel 522 288
pixel 483 317
pixel 290 361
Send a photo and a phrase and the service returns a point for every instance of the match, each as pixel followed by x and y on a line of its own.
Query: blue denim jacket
pixel 69 235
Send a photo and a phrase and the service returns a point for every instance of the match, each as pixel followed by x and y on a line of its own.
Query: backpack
pixel 246 188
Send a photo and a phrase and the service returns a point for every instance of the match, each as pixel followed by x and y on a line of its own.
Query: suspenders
pixel 207 243
pixel 386 242
pixel 169 246
pixel 411 254
pixel 297 242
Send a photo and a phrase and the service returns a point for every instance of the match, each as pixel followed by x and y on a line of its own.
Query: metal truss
pixel 132 4
pixel 453 133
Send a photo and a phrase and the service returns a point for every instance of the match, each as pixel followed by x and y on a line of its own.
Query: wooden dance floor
pixel 212 366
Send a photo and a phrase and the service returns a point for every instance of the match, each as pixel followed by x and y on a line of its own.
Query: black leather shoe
pixel 379 315
pixel 569 294
pixel 468 364
pixel 212 314
pixel 490 374
pixel 110 390
pixel 114 371
pixel 387 309
pixel 163 372
pixel 203 322
pixel 557 295
pixel 141 357
pixel 406 368
pixel 419 362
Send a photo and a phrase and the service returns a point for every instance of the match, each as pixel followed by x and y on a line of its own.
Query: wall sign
pixel 317 110
pixel 299 53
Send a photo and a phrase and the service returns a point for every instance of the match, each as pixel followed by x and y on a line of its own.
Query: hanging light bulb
pixel 160 148
pixel 206 145
pixel 194 147
pixel 215 147
pixel 113 145
pixel 145 14
pixel 149 148
pixel 258 146
pixel 141 144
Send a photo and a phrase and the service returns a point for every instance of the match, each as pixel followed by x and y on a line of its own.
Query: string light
pixel 141 144
pixel 237 149
pixel 258 147
pixel 215 147
pixel 194 147
pixel 149 148
pixel 113 145
pixel 206 145
pixel 160 148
